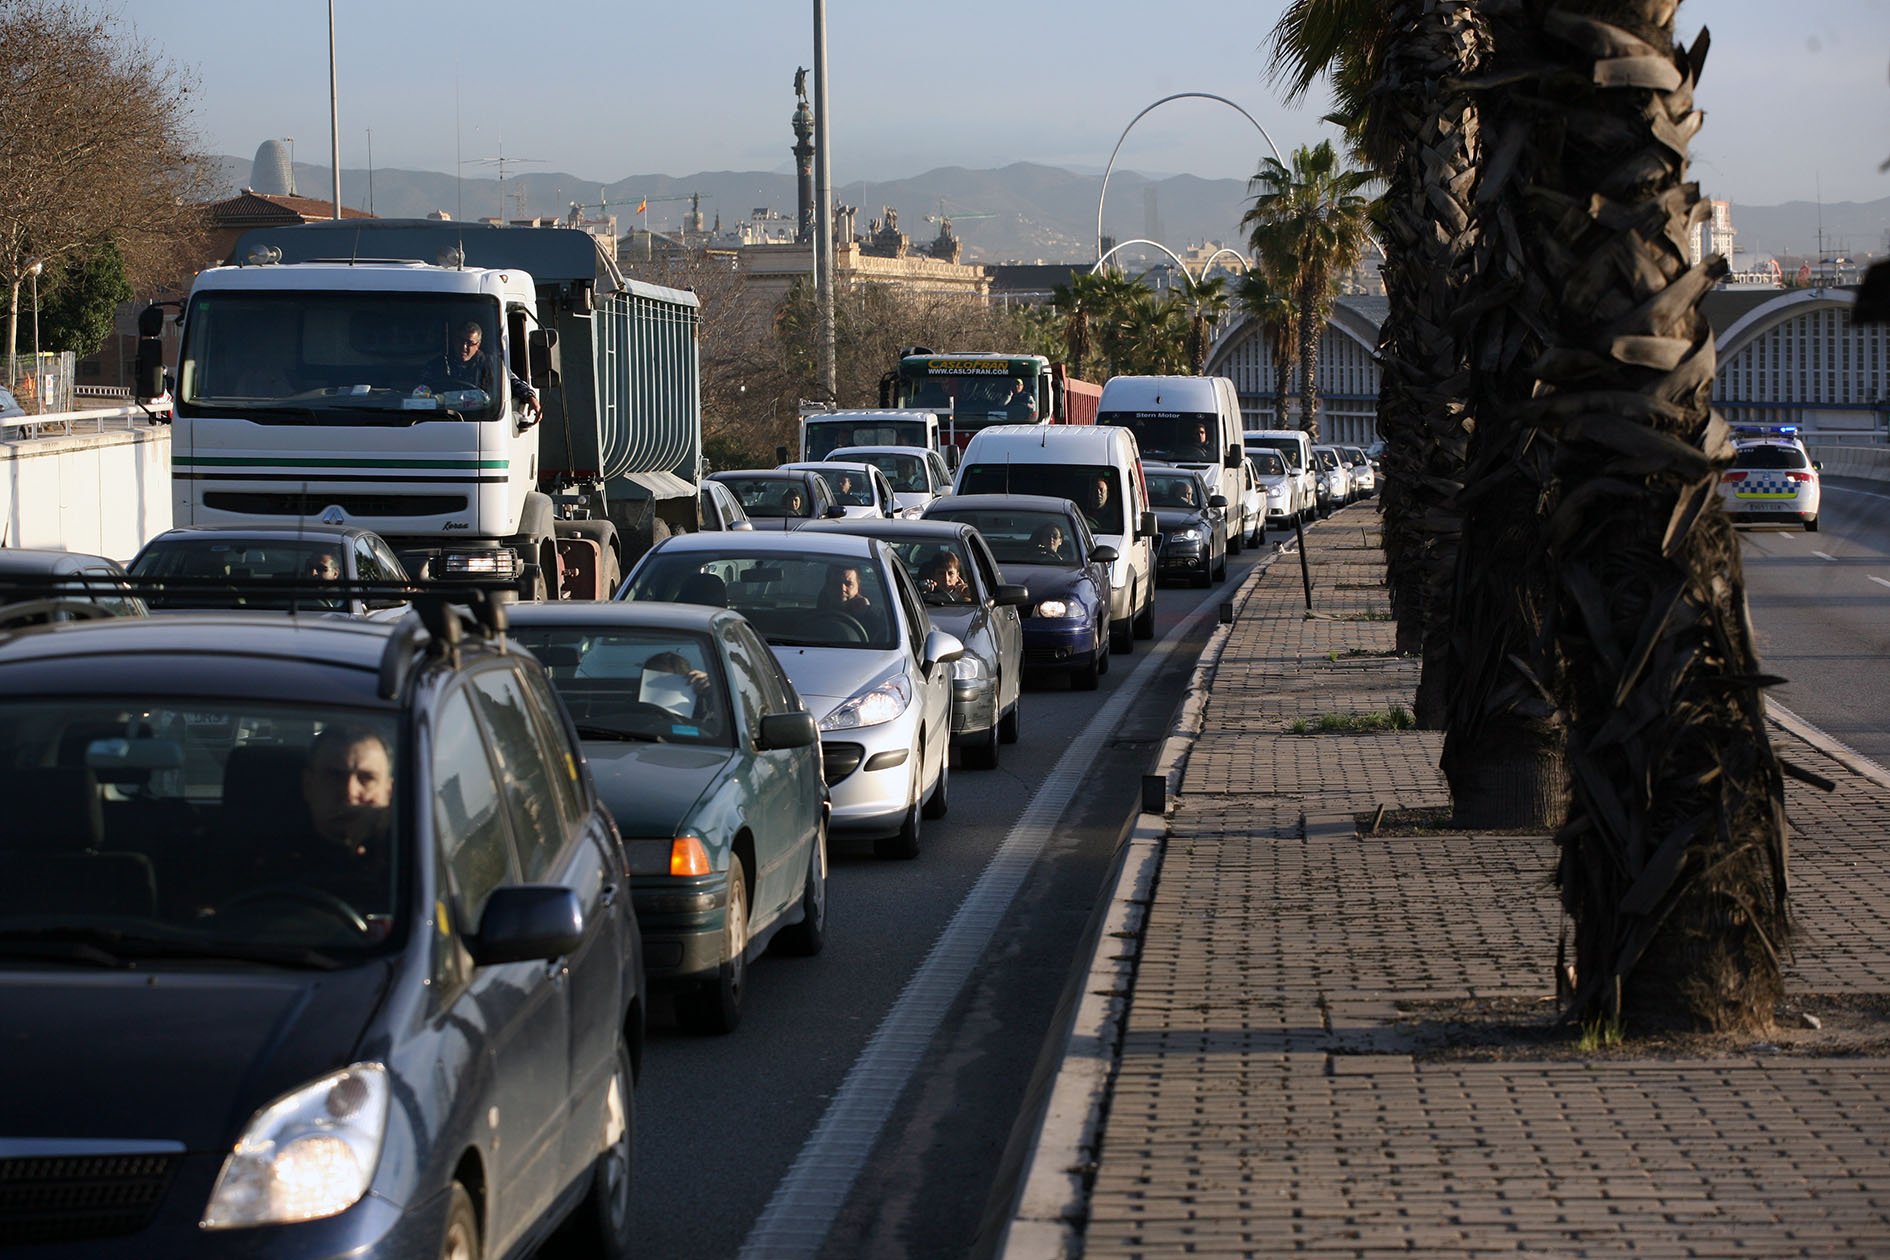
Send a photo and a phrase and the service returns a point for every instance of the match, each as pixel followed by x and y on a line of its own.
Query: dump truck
pixel 975 390
pixel 496 401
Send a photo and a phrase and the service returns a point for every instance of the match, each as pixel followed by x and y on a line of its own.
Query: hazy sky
pixel 1797 91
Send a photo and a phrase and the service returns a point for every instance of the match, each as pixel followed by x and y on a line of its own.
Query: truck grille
pixel 71 1198
pixel 251 503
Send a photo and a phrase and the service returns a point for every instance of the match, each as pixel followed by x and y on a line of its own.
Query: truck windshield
pixel 302 356
pixel 974 397
pixel 824 437
pixel 1186 437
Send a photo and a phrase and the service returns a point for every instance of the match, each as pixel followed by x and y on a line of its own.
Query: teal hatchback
pixel 706 758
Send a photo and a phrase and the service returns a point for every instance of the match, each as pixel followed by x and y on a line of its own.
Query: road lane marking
pixel 1879 581
pixel 1824 555
pixel 801 1211
pixel 1868 494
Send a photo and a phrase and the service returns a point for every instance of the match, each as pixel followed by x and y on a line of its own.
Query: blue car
pixel 1045 544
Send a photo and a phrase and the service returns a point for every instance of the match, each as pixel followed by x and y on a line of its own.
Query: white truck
pixel 376 373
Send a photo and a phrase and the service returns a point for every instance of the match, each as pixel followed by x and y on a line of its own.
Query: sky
pixel 1797 92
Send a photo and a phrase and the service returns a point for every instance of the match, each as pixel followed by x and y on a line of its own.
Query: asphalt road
pixel 722 1120
pixel 1821 608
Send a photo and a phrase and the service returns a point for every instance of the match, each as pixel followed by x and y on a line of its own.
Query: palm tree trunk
pixel 1503 743
pixel 1426 131
pixel 1282 383
pixel 1310 328
pixel 1673 862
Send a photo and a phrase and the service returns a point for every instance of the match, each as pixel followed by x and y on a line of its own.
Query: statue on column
pixel 800 83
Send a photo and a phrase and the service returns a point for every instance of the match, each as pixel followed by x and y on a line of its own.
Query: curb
pixel 1839 752
pixel 1053 1206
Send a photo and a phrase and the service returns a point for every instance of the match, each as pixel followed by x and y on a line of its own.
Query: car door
pixel 934 684
pixel 1007 627
pixel 883 491
pixel 512 1014
pixel 763 788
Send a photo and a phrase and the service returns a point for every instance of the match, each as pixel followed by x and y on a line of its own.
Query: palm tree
pixel 1267 301
pixel 1310 222
pixel 1209 303
pixel 1398 72
pixel 1673 857
pixel 1084 295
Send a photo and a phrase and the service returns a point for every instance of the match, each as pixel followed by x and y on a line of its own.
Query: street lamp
pixel 33 267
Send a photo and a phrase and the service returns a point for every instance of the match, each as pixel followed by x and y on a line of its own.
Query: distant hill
pixel 1023 212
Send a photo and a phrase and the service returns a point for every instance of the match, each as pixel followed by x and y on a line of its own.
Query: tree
pixel 1673 862
pixel 78 311
pixel 94 144
pixel 1399 71
pixel 1309 223
pixel 1208 302
pixel 1267 301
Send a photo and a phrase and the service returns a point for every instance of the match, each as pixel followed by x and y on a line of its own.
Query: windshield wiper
pixel 114 948
pixel 57 946
pixel 611 732
pixel 779 641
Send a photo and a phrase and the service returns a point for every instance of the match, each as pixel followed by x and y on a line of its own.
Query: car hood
pixel 826 677
pixel 1045 581
pixel 650 789
pixel 172 1055
pixel 1171 519
pixel 908 499
pixel 777 523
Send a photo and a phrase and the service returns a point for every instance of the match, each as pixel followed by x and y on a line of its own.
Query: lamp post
pixel 33 268
pixel 334 111
pixel 823 212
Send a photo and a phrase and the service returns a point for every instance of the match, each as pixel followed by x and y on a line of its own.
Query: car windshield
pixel 775 497
pixel 1183 437
pixel 1046 538
pixel 1769 457
pixel 906 472
pixel 1081 484
pixel 794 600
pixel 205 560
pixel 940 567
pixel 314 357
pixel 1289 450
pixel 824 437
pixel 205 829
pixel 850 489
pixel 622 683
pixel 1170 491
pixel 1267 463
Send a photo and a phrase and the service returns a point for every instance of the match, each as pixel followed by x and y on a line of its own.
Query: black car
pixel 1045 544
pixel 1193 523
pixel 315 940
pixel 230 566
pixel 31 592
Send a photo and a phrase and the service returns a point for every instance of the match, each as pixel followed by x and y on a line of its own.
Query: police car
pixel 1773 479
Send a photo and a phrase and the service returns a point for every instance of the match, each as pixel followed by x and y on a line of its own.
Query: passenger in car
pixel 843 592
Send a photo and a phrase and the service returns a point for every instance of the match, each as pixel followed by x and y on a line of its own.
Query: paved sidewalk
pixel 1287 1078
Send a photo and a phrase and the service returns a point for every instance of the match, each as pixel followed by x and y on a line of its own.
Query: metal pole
pixel 823 203
pixel 39 378
pixel 334 111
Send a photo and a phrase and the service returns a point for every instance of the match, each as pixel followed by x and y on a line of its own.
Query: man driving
pixel 468 366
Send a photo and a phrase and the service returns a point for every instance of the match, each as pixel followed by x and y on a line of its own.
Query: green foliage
pixel 77 309
pixel 1114 325
pixel 1396 718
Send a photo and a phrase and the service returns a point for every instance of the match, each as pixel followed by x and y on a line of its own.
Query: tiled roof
pixel 250 209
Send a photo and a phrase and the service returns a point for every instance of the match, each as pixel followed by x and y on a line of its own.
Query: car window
pixel 469 820
pixel 751 699
pixel 566 781
pixel 775 687
pixel 805 599
pixel 988 575
pixel 917 623
pixel 367 564
pixel 1769 457
pixel 776 497
pixel 537 829
pixel 634 682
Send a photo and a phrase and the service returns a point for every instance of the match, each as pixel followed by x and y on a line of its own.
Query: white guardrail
pixel 97 480
pixel 1872 462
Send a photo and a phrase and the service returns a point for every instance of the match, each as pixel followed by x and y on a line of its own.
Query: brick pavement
pixel 1270 1095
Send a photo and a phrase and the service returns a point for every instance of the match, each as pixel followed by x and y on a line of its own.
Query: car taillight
pixel 1798 476
pixel 1732 476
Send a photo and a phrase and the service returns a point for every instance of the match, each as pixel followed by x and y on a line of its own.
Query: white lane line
pixel 1824 555
pixel 1879 581
pixel 802 1209
pixel 1868 494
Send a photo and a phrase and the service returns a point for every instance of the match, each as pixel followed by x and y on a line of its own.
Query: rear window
pixel 1094 488
pixel 1770 457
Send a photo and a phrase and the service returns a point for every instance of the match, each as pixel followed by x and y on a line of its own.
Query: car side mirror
pixel 951 458
pixel 1146 526
pixel 743 525
pixel 940 648
pixel 529 923
pixel 1012 595
pixel 787 730
pixel 834 512
pixel 1234 458
pixel 1817 465
pixel 1217 500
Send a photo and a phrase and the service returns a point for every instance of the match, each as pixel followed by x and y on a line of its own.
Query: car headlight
pixel 307 1155
pixel 1190 534
pixel 912 513
pixel 969 668
pixel 870 708
pixel 1053 608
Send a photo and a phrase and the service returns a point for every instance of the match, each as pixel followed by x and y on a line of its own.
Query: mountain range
pixel 1023 212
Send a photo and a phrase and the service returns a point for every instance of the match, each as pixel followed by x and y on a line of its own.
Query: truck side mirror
pixel 547 362
pixel 1147 526
pixel 1233 458
pixel 148 369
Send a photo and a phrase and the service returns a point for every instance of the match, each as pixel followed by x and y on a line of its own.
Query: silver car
pixel 848 627
pixel 966 595
pixel 917 473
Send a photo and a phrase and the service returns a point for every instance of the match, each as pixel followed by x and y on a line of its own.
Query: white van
pixel 1076 462
pixel 1296 446
pixel 824 432
pixel 1192 421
